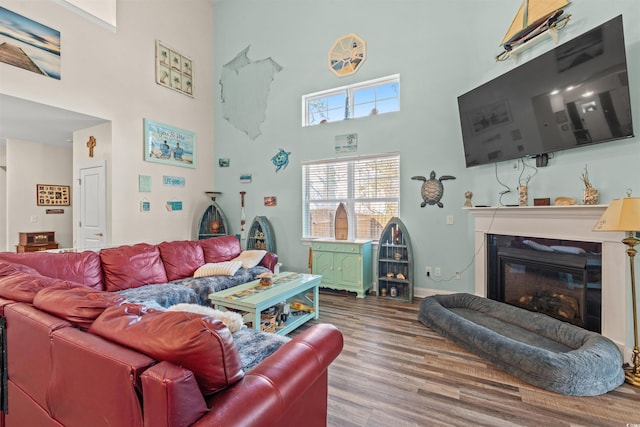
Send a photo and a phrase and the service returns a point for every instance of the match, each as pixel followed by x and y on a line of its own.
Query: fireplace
pixel 559 278
pixel 564 223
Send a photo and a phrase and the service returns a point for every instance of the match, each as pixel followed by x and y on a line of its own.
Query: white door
pixel 92 212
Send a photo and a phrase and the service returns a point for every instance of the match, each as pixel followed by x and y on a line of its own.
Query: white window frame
pixel 349 91
pixel 350 200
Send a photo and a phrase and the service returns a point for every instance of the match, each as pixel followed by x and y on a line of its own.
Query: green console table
pixel 343 264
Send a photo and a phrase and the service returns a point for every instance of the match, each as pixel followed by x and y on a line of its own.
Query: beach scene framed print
pixel 29 45
pixel 169 145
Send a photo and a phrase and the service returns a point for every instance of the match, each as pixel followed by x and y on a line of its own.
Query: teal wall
pixel 441 50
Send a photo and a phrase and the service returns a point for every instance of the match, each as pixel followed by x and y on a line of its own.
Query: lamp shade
pixel 620 215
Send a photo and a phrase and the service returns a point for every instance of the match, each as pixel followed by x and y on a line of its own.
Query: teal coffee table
pixel 253 299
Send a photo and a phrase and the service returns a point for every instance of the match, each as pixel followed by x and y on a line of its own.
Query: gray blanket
pixel 188 290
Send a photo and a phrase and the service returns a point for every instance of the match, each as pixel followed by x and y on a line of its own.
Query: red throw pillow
pixel 79 306
pixel 220 249
pixel 199 343
pixel 181 258
pixel 132 266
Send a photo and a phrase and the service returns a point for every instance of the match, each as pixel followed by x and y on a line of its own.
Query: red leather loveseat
pixel 79 355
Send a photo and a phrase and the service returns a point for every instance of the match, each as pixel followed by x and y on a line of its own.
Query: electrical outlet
pixel 449 219
pixel 458 275
pixel 437 271
pixel 427 271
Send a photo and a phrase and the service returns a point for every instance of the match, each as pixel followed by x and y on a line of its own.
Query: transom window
pixel 363 99
pixel 369 186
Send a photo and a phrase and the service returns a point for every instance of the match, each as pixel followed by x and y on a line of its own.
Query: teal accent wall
pixel 441 50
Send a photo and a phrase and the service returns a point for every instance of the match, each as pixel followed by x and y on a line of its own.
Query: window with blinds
pixel 368 186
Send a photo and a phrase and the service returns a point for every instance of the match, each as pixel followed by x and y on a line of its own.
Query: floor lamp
pixel 624 215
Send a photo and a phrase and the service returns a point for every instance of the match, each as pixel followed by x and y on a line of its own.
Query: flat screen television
pixel 574 95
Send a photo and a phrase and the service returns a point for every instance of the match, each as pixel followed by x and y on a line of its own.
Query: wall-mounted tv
pixel 574 95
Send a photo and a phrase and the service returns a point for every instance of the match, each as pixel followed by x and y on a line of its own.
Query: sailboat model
pixel 534 18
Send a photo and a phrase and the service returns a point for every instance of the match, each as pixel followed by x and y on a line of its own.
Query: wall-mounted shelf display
pixel 213 222
pixel 261 235
pixel 344 264
pixel 395 262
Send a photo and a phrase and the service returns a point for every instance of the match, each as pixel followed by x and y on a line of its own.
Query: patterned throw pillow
pixel 227 268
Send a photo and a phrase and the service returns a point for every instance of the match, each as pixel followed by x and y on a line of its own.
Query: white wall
pixel 111 75
pixel 41 164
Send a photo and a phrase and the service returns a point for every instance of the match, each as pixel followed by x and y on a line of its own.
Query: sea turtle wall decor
pixel 281 159
pixel 432 189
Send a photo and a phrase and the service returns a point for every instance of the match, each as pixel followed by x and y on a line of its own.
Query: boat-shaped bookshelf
pixel 261 235
pixel 395 262
pixel 213 222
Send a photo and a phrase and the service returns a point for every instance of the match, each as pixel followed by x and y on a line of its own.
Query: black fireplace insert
pixel 560 278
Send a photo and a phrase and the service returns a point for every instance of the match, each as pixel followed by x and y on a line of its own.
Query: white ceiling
pixel 30 121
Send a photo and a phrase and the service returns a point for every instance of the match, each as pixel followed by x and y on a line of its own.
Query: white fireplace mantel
pixel 566 223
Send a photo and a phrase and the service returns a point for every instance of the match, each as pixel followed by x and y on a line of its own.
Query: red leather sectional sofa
pixel 125 267
pixel 79 355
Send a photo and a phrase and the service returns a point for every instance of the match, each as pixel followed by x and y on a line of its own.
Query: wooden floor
pixel 395 372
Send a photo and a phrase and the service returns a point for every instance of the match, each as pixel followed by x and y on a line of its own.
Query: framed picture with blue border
pixel 169 145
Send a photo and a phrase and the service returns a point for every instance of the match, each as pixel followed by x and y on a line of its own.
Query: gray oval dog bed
pixel 533 347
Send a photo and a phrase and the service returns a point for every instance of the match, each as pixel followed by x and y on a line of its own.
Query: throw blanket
pixel 254 346
pixel 188 290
